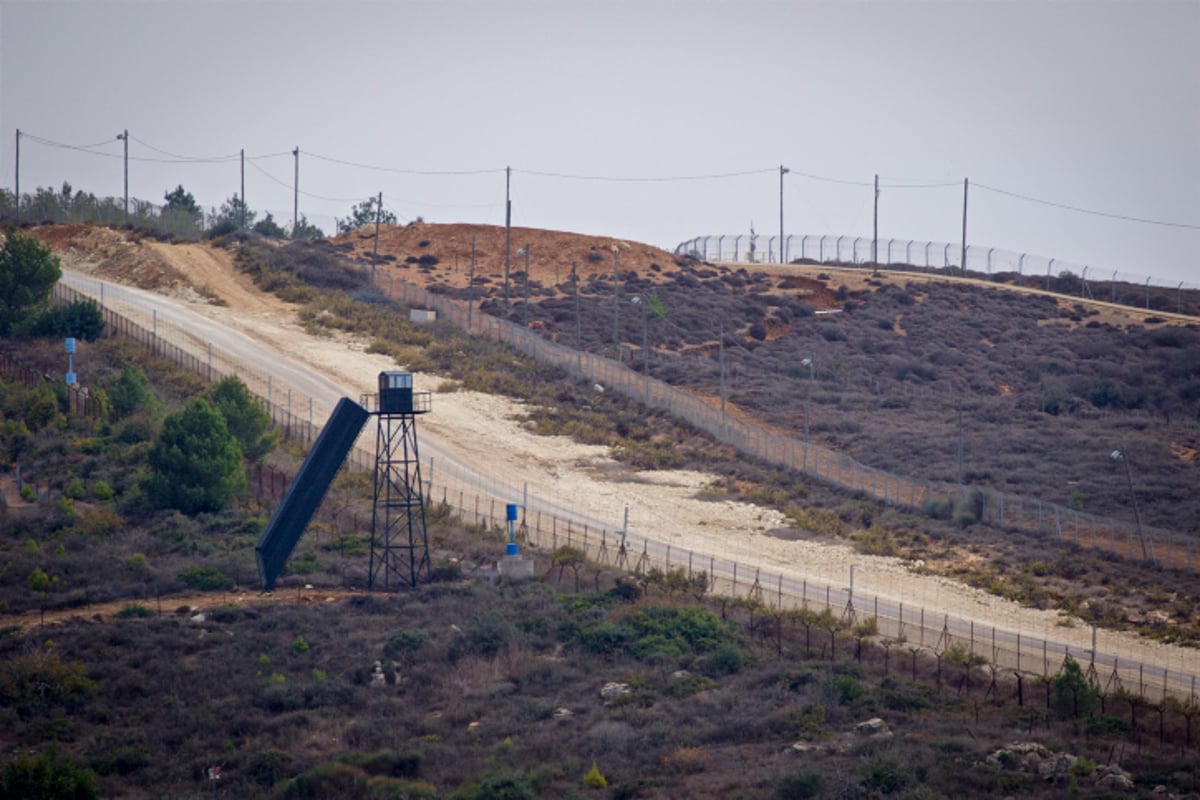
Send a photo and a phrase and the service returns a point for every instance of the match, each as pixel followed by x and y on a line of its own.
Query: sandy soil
pixel 485 432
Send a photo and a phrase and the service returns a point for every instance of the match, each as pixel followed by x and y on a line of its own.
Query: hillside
pixel 490 689
pixel 476 688
pixel 1047 386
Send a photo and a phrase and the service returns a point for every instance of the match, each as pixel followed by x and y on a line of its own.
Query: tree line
pixel 179 215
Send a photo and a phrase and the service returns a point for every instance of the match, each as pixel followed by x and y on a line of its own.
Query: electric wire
pixel 400 171
pixel 186 159
pixel 176 158
pixel 83 148
pixel 643 179
pixel 1077 209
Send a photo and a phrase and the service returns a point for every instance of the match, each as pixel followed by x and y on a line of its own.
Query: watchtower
pixel 399 542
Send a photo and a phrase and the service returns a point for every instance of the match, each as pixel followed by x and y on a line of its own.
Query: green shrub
pixel 1100 725
pixel 47 776
pixel 688 686
pixel 74 490
pixel 497 784
pixel 843 689
pixel 327 781
pixel 592 779
pixel 726 659
pixel 102 492
pixel 936 508
pixel 387 763
pixel 485 635
pixel 886 775
pixel 134 611
pixel 122 760
pixel 404 644
pixel 800 785
pixel 207 579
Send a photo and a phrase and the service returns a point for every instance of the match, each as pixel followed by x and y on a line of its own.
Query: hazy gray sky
pixel 1089 104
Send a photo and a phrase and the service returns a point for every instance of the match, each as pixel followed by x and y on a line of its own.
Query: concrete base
pixel 516 567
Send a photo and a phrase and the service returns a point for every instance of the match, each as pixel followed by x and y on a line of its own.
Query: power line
pixel 1077 209
pixel 269 175
pixel 287 153
pixel 179 158
pixel 85 148
pixel 644 179
pixel 916 185
pixel 401 171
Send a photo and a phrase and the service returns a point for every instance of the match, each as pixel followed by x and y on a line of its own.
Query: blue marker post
pixel 70 378
pixel 511 514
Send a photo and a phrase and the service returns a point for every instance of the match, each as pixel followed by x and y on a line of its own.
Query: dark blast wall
pixel 308 489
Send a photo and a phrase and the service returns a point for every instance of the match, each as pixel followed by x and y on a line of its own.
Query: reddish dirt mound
pixel 442 253
pixel 120 256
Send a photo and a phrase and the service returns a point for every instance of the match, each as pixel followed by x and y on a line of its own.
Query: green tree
pixel 181 201
pixel 246 419
pixel 306 231
pixel 181 214
pixel 1074 694
pixel 364 214
pixel 28 271
pixel 47 776
pixel 230 215
pixel 195 464
pixel 268 227
pixel 131 392
pixel 81 320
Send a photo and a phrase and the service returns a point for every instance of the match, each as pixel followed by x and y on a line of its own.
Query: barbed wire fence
pixel 946 258
pixel 475 498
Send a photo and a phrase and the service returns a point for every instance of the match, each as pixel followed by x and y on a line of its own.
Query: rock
pixel 1036 759
pixel 1057 768
pixel 802 747
pixel 198 618
pixel 562 712
pixel 474 726
pixel 613 690
pixel 1113 778
pixel 680 674
pixel 873 727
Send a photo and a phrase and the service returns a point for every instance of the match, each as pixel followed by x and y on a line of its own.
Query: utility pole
pixel 960 440
pixel 578 323
pixel 17 189
pixel 875 229
pixel 616 305
pixel 721 356
pixel 1123 456
pixel 525 307
pixel 963 269
pixel 471 285
pixel 782 250
pixel 375 252
pixel 124 136
pixel 243 194
pixel 507 233
pixel 296 194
